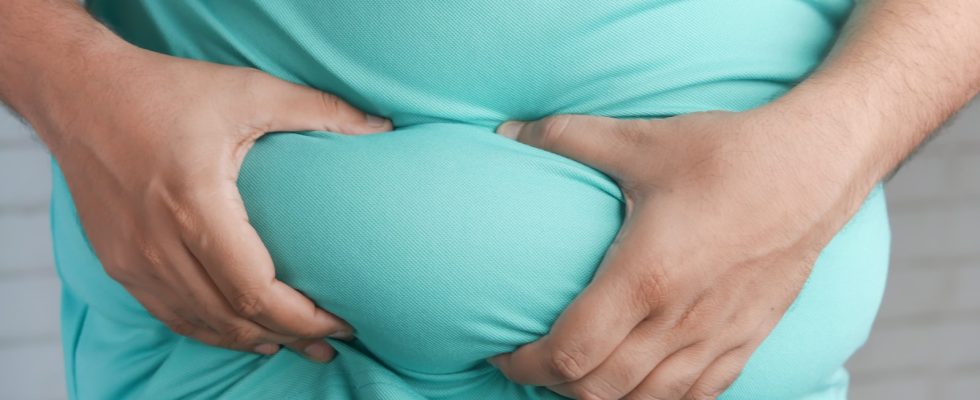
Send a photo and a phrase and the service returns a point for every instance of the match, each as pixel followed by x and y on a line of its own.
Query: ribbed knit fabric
pixel 441 242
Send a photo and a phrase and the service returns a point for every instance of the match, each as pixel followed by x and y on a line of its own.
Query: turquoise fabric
pixel 441 242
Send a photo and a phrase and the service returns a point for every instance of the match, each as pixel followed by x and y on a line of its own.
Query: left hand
pixel 726 213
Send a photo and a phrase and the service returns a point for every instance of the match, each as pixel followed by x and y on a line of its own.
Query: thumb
pixel 288 106
pixel 605 143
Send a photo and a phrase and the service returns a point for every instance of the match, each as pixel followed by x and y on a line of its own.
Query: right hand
pixel 151 147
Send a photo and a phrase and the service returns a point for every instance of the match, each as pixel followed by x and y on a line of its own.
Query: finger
pixel 177 323
pixel 199 293
pixel 238 263
pixel 605 143
pixel 313 349
pixel 583 336
pixel 631 362
pixel 217 339
pixel 288 106
pixel 673 377
pixel 720 375
pixel 196 329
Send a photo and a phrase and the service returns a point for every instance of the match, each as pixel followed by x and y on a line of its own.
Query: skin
pixel 727 211
pixel 151 146
pixel 901 68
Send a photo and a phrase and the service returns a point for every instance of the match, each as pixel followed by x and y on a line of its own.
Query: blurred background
pixel 925 343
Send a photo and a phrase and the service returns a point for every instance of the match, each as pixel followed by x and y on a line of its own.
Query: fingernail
pixel 510 129
pixel 342 334
pixel 375 121
pixel 267 348
pixel 317 351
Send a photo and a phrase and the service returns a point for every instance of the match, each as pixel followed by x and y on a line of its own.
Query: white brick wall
pixel 30 349
pixel 925 345
pixel 926 341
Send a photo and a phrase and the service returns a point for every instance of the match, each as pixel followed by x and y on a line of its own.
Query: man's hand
pixel 151 147
pixel 725 216
pixel 726 212
pixel 152 164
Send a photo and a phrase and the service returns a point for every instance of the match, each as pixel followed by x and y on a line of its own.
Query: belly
pixel 446 236
pixel 442 243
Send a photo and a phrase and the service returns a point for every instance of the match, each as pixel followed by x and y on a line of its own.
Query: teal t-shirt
pixel 442 243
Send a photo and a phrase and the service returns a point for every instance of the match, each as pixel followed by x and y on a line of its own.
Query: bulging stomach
pixel 446 236
pixel 443 243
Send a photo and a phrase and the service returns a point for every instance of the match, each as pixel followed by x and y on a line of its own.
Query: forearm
pixel 898 71
pixel 46 46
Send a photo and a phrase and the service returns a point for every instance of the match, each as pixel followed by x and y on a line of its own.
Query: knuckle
pixel 210 340
pixel 652 289
pixel 588 391
pixel 118 272
pixel 567 365
pixel 643 396
pixel 182 216
pixel 644 393
pixel 116 261
pixel 646 396
pixel 331 104
pixel 148 251
pixel 242 335
pixel 711 389
pixel 584 393
pixel 187 215
pixel 129 277
pixel 680 386
pixel 701 392
pixel 551 129
pixel 690 319
pixel 177 207
pixel 180 326
pixel 248 304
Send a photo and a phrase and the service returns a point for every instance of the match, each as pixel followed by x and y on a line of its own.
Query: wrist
pixel 839 124
pixel 49 52
pixel 823 154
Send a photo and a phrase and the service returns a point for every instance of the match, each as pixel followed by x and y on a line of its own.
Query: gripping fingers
pixel 200 298
pixel 675 376
pixel 314 349
pixel 236 260
pixel 720 374
pixel 196 329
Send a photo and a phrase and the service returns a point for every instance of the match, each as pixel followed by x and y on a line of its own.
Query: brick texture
pixel 925 341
